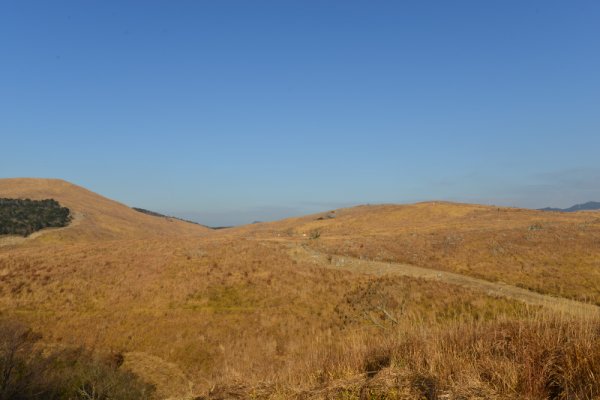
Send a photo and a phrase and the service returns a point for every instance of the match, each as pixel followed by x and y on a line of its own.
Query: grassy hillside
pixel 265 312
pixel 240 316
pixel 556 253
pixel 94 217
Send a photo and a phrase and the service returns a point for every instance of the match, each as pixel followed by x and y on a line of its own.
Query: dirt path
pixel 498 289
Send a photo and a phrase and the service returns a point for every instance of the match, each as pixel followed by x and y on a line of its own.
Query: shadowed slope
pixel 95 217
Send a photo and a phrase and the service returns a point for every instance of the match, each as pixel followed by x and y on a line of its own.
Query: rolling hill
pixel 386 302
pixel 94 216
pixel 555 253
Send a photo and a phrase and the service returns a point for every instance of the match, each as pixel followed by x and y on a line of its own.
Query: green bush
pixel 25 216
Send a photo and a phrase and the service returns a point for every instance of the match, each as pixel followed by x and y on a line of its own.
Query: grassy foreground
pixel 228 318
pixel 120 304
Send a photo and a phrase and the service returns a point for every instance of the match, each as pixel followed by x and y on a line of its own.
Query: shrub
pixel 27 373
pixel 25 216
pixel 315 234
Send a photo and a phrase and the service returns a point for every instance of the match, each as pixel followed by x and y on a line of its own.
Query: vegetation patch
pixel 155 214
pixel 25 216
pixel 224 298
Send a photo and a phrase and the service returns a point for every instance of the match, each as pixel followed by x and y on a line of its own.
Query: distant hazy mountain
pixel 589 206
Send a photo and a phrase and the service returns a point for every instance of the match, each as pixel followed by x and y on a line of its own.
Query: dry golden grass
pixel 96 217
pixel 548 252
pixel 237 314
pixel 185 300
pixel 245 316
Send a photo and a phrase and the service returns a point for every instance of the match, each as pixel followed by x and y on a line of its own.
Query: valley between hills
pixel 432 300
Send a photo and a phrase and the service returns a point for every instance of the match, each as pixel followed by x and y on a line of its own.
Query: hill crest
pixel 95 216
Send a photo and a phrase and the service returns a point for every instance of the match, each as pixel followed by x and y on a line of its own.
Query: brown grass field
pixel 547 252
pixel 294 310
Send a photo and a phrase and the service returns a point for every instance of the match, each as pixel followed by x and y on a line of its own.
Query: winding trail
pixel 497 289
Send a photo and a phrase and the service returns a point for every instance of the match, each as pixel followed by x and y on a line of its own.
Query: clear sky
pixel 234 111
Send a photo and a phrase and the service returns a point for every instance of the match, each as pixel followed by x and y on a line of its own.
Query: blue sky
pixel 234 111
